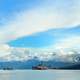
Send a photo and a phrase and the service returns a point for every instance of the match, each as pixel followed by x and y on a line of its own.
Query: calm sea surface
pixel 40 75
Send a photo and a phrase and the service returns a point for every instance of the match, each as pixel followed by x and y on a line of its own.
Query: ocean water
pixel 40 75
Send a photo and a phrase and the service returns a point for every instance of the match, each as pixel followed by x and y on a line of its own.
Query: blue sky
pixel 49 38
pixel 8 8
pixel 40 23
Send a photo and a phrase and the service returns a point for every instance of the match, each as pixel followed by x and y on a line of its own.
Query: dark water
pixel 40 75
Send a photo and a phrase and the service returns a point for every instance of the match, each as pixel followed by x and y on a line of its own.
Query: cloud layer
pixel 68 43
pixel 44 17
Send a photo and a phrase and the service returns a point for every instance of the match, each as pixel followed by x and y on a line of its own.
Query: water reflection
pixel 40 75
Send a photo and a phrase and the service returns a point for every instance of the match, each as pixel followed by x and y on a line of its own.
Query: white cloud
pixel 71 42
pixel 4 50
pixel 39 19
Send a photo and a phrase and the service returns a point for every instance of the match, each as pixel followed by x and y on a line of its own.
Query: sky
pixel 40 23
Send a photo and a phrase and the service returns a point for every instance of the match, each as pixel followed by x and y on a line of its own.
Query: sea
pixel 40 75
